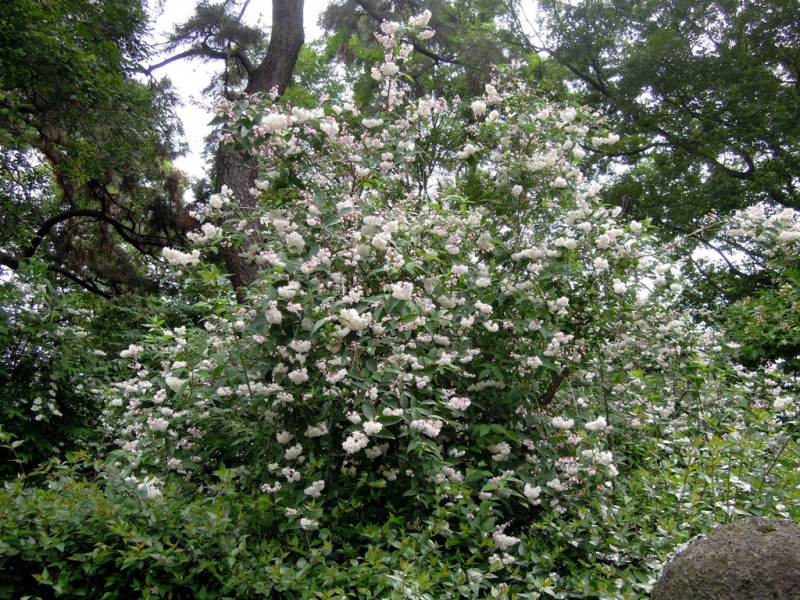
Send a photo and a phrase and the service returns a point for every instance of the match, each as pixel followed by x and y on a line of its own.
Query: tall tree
pixel 705 95
pixel 216 31
pixel 85 178
pixel 469 38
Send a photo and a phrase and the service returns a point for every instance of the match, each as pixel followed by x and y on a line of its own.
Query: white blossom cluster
pixel 404 335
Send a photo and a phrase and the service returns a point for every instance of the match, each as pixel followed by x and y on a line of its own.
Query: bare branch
pixel 204 51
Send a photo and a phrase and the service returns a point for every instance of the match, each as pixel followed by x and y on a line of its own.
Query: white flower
pixel 560 183
pixel 284 437
pixel 174 383
pixel 298 376
pixel 402 290
pixel 372 427
pixel 181 259
pixel 356 441
pixel 307 523
pixel 568 114
pixel 300 346
pixel 292 475
pixel 390 27
pixel 294 452
pixel 329 127
pixel 478 108
pixel 427 34
pixel 500 451
pixel 390 69
pixel 486 309
pixel 458 403
pixel 420 20
pixel 157 424
pixel 354 321
pixel 315 489
pixel 600 263
pixel 271 489
pixel 274 316
pixel 788 236
pixel 467 151
pixel 562 423
pixel 209 232
pixel 275 122
pixel 430 427
pixel 532 493
pixel 781 403
pixel 313 431
pixel 216 201
pixel 598 424
pixel 289 291
pixel 371 123
pixel 295 240
pixel 132 351
pixel 381 240
pixel 568 243
pixel 503 541
pixel 619 287
pixel 151 486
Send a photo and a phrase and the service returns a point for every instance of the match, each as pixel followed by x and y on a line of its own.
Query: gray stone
pixel 751 559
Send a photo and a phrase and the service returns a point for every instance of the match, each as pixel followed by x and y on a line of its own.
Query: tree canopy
pixel 86 181
pixel 704 95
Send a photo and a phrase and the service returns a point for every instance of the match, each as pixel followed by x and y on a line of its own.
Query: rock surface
pixel 751 559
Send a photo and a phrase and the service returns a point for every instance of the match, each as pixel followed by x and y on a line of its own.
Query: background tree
pixel 251 66
pixel 85 179
pixel 704 95
pixel 469 39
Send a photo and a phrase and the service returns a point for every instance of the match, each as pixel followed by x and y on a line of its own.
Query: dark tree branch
pixel 379 18
pixel 9 260
pixel 87 285
pixel 204 51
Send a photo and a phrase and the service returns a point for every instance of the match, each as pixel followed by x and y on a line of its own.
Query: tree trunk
pixel 232 169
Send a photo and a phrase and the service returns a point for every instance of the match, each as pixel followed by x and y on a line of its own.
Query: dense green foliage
pixel 85 182
pixel 703 93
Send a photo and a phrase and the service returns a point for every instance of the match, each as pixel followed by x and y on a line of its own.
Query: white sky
pixel 189 77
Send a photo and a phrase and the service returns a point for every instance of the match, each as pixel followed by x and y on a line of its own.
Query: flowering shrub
pixel 463 345
pixel 406 339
